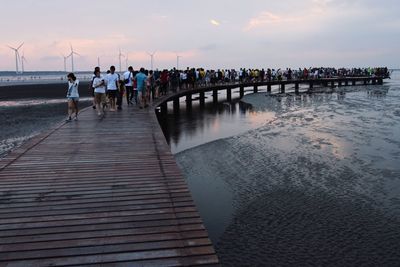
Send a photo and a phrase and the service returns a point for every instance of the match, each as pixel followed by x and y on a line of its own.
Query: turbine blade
pixel 20 46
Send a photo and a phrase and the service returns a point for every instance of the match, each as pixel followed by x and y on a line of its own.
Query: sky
pixel 210 34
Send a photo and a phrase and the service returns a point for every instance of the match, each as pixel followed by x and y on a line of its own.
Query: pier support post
pixel 229 94
pixel 215 96
pixel 332 84
pixel 269 88
pixel 339 83
pixel 296 88
pixel 202 99
pixel 373 82
pixel 346 83
pixel 241 91
pixel 255 89
pixel 311 85
pixel 188 102
pixel 176 105
pixel 282 88
pixel 380 81
pixel 353 82
pixel 164 108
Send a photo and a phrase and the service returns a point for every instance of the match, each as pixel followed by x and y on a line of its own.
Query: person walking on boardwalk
pixel 73 96
pixel 91 88
pixel 128 81
pixel 120 94
pixel 141 87
pixel 112 87
pixel 99 92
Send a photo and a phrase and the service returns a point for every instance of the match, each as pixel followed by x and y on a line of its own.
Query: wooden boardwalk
pixel 102 192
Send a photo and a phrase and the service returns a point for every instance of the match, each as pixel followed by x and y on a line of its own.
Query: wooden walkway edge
pixel 102 192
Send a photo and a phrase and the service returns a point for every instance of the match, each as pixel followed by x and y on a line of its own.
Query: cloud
pixel 214 22
pixel 264 19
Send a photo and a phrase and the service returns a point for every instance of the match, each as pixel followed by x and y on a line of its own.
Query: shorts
pixel 112 93
pixel 100 98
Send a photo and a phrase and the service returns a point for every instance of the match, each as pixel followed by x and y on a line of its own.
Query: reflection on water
pixel 312 179
pixel 202 125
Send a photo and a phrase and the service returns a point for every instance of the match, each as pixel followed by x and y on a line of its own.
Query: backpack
pixel 126 81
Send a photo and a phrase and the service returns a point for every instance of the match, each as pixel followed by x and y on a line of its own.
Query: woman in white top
pixel 99 92
pixel 73 96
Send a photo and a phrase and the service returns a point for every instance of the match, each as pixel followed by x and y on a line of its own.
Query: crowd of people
pixel 139 87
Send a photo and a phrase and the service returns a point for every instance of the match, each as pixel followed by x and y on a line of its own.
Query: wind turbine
pixel 127 61
pixel 65 61
pixel 152 58
pixel 72 57
pixel 17 58
pixel 120 56
pixel 23 60
pixel 178 57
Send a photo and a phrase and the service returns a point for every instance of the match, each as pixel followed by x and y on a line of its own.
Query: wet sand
pixel 319 185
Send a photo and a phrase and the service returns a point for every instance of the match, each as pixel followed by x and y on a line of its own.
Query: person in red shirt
pixel 164 78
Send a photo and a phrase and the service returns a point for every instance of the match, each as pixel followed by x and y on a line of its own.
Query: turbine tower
pixel 72 58
pixel 23 60
pixel 65 61
pixel 17 57
pixel 178 57
pixel 120 56
pixel 152 58
pixel 127 61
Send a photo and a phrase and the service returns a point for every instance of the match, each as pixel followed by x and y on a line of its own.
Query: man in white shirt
pixel 112 87
pixel 128 79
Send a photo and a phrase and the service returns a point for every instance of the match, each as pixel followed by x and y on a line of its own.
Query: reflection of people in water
pixel 341 95
pixel 378 93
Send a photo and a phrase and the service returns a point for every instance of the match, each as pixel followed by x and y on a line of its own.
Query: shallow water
pixel 297 180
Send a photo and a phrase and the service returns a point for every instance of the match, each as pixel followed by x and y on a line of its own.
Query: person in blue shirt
pixel 141 87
